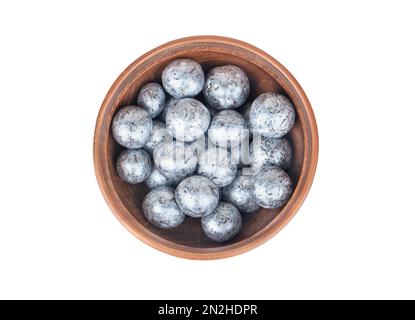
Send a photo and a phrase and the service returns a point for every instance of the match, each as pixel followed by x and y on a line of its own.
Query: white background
pixel 354 236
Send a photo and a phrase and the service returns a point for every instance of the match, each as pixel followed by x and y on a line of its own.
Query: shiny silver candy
pixel 217 165
pixel 272 115
pixel 131 127
pixel 156 179
pixel 238 152
pixel 270 152
pixel 134 165
pixel 187 120
pixel 223 224
pixel 152 98
pixel 171 102
pixel 160 208
pixel 271 187
pixel 228 129
pixel 175 160
pixel 159 134
pixel 239 193
pixel 183 78
pixel 226 87
pixel 197 196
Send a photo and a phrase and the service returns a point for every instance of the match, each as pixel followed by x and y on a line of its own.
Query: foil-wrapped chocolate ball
pixel 152 98
pixel 131 127
pixel 226 87
pixel 239 193
pixel 217 165
pixel 160 208
pixel 156 179
pixel 197 196
pixel 171 102
pixel 223 224
pixel 271 187
pixel 134 165
pixel 183 78
pixel 187 120
pixel 158 135
pixel 265 152
pixel 272 115
pixel 228 129
pixel 175 159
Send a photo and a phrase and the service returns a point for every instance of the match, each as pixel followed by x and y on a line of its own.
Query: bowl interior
pixel 190 233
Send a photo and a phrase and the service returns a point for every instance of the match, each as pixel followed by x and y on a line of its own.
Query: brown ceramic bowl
pixel 265 74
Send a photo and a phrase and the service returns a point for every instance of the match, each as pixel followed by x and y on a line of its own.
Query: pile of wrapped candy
pixel 204 151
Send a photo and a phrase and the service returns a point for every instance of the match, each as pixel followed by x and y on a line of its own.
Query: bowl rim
pixel 280 221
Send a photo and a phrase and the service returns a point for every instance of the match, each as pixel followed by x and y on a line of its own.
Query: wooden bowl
pixel 265 74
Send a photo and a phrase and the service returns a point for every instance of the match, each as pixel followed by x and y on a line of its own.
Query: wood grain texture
pixel 265 74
